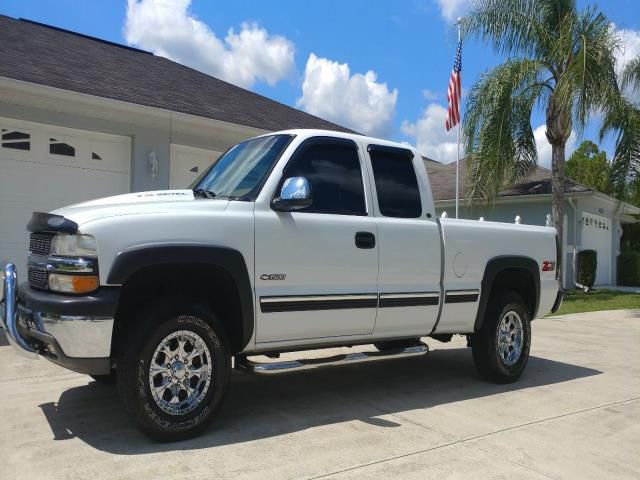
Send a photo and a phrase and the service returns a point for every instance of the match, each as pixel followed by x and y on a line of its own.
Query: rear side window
pixel 333 170
pixel 396 182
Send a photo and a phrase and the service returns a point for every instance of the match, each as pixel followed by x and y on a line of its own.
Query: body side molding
pixel 130 261
pixel 494 266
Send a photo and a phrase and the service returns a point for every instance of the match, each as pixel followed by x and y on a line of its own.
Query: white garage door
pixel 187 163
pixel 596 235
pixel 44 167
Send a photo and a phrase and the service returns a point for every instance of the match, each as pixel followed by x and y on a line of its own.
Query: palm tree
pixel 622 118
pixel 559 59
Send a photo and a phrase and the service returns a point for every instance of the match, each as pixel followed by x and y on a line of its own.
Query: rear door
pixel 315 277
pixel 409 243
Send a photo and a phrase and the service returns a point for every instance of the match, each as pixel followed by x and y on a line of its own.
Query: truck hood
pixel 152 202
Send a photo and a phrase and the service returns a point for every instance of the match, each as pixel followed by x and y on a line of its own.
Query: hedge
pixel 630 240
pixel 629 269
pixel 587 264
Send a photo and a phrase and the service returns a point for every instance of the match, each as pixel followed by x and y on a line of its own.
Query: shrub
pixel 629 269
pixel 630 240
pixel 587 264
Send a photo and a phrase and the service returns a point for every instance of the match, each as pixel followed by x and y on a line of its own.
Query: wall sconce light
pixel 153 164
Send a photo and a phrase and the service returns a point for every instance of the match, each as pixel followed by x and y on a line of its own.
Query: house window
pixel 16 140
pixel 57 147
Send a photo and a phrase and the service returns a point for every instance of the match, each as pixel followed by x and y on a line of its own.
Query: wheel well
pixel 520 281
pixel 205 283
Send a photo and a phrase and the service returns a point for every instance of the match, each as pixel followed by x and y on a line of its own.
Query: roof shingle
pixel 443 182
pixel 45 55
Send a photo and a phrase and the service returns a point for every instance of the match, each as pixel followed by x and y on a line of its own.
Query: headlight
pixel 74 246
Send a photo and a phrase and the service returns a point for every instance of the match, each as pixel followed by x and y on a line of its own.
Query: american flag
pixel 453 94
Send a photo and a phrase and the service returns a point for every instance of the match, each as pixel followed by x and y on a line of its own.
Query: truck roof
pixel 310 132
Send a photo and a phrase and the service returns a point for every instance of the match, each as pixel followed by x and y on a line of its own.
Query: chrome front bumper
pixel 78 342
pixel 8 311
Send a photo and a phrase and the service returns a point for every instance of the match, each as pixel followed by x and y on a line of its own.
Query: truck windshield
pixel 240 171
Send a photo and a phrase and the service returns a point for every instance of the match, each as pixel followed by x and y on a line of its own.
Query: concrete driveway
pixel 574 414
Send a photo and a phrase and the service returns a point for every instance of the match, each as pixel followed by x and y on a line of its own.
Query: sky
pixel 378 67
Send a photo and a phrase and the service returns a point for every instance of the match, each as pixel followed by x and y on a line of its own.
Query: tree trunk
pixel 557 195
pixel 558 131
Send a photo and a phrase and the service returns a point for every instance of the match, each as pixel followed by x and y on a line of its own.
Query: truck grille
pixel 40 243
pixel 37 277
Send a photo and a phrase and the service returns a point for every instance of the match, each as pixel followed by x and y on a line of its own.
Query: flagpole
pixel 458 142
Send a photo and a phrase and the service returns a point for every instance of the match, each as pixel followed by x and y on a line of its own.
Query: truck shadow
pixel 264 407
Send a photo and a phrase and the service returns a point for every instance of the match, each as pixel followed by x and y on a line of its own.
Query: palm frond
pixel 588 82
pixel 624 122
pixel 631 75
pixel 498 136
pixel 510 26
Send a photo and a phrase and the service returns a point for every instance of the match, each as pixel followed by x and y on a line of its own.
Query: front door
pixel 317 268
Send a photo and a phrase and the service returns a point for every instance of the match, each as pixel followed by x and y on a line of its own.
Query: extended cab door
pixel 409 243
pixel 316 269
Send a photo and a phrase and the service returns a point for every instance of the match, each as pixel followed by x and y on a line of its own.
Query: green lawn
pixel 576 301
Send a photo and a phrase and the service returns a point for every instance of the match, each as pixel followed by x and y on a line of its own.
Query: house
pixel 592 220
pixel 82 118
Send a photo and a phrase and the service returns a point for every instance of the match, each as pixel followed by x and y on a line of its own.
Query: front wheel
pixel 501 347
pixel 174 370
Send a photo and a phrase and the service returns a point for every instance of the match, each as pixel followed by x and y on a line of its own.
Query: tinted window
pixel 333 170
pixel 396 183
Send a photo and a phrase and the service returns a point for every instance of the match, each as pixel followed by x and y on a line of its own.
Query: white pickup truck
pixel 296 240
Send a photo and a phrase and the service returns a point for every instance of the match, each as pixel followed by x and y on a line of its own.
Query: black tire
pixel 109 379
pixel 138 350
pixel 397 344
pixel 492 363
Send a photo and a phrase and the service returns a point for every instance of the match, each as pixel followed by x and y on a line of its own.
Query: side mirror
pixel 294 195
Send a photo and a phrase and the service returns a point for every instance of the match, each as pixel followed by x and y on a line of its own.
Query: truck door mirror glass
pixel 295 194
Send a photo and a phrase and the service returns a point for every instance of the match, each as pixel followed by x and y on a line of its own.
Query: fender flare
pixel 133 260
pixel 494 266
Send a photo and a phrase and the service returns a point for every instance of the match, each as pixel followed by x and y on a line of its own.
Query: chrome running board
pixel 274 368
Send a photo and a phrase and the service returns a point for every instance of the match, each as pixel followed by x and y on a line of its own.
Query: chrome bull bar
pixel 8 310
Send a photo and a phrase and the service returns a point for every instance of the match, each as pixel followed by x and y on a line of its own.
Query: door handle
pixel 365 240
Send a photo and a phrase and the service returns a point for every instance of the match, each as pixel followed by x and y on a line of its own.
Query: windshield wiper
pixel 202 193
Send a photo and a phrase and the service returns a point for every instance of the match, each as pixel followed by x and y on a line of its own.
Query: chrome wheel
pixel 510 338
pixel 180 372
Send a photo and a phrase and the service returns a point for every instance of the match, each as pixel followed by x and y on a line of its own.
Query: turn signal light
pixel 73 283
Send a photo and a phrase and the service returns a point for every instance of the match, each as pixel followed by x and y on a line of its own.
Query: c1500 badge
pixel 273 276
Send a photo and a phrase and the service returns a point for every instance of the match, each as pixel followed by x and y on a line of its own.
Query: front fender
pixel 130 261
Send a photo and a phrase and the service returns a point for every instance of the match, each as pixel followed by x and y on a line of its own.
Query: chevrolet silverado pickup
pixel 291 241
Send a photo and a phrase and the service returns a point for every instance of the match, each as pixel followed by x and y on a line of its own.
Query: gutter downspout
pixel 575 241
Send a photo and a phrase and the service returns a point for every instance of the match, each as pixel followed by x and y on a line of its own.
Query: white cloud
pixel 431 138
pixel 430 95
pixel 543 146
pixel 354 100
pixel 452 9
pixel 630 49
pixel 167 28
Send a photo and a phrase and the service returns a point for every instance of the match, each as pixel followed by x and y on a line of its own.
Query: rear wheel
pixel 501 347
pixel 174 370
